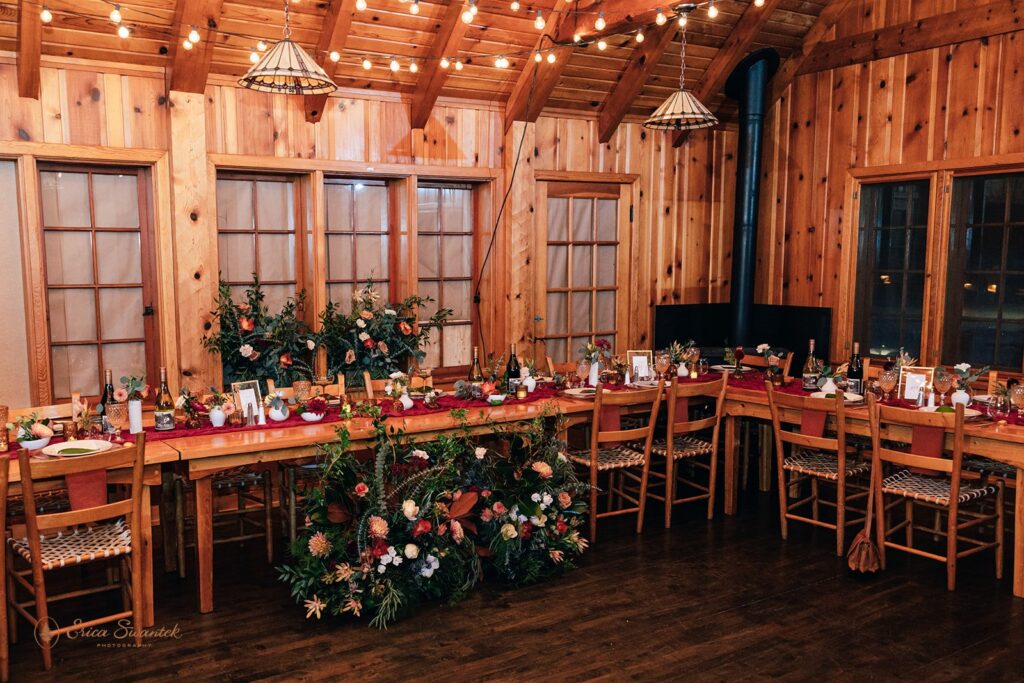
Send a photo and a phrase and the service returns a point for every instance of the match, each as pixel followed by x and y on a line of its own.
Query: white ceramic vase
pixel 595 374
pixel 960 396
pixel 530 383
pixel 829 387
pixel 217 416
pixel 279 414
pixel 406 401
pixel 134 417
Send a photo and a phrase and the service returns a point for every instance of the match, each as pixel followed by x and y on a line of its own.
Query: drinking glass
pixel 703 366
pixel 117 416
pixel 888 381
pixel 583 371
pixel 942 383
pixel 1017 397
pixel 662 363
pixel 301 390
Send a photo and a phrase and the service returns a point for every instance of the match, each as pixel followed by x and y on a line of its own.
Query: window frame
pixel 148 273
pixel 321 280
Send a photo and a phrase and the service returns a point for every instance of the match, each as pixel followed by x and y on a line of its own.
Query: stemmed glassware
pixel 662 364
pixel 117 416
pixel 583 371
pixel 887 381
pixel 1017 397
pixel 942 384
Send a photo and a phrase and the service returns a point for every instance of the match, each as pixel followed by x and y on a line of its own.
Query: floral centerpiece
pixel 313 409
pixel 596 352
pixel 192 407
pixel 374 335
pixel 221 407
pixel 31 431
pixel 966 376
pixel 277 406
pixel 680 353
pixel 254 344
pixel 132 389
pixel 774 357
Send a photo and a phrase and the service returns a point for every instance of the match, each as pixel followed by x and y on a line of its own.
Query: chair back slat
pixel 695 425
pixel 881 417
pixel 917 418
pixel 687 390
pixel 758 361
pixel 919 461
pixel 820 443
pixel 61 467
pixel 62 520
pixel 604 399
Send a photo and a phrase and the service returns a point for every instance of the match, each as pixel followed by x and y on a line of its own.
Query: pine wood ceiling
pixel 386 28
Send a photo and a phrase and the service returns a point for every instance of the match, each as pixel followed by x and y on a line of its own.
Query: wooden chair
pixel 817 459
pixel 680 443
pixel 330 390
pixel 934 483
pixel 377 386
pixel 561 368
pixel 108 531
pixel 616 451
pixel 760 362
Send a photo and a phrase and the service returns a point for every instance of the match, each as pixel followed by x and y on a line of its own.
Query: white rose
pixel 535 498
pixel 310 344
pixel 397 375
pixel 389 311
pixel 389 388
pixel 562 457
pixel 245 350
pixel 480 452
pixel 360 323
pixel 761 348
pixel 962 367
pixel 420 454
pixel 410 509
pixel 363 336
pixel 412 551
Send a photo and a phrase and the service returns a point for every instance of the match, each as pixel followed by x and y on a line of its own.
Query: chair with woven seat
pixel 682 442
pixel 109 531
pixel 934 482
pixel 611 453
pixel 798 422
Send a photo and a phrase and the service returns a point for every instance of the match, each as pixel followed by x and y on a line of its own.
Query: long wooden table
pixel 206 455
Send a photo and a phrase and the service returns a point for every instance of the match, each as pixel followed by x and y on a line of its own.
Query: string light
pixel 123 32
pixel 514 6
pixel 187 44
pixel 254 57
pixel 458 65
pixel 712 10
pixel 660 19
pixel 682 21
pixel 576 37
pixel 115 14
pixel 600 23
pixel 261 46
pixel 472 7
pixel 758 3
pixel 413 68
pixel 551 58
pixel 414 8
pixel 467 16
pixel 334 56
pixel 639 36
pixel 602 44
pixel 537 57
pixel 360 5
pixel 501 62
pixel 445 63
pixel 538 23
pixel 45 16
pixel 193 35
pixel 367 64
pixel 395 66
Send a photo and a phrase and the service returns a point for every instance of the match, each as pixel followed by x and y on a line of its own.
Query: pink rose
pixel 361 489
pixel 486 515
pixel 543 469
pixel 564 499
pixel 457 533
pixel 40 430
pixel 120 395
pixel 499 508
pixel 383 347
pixel 366 315
pixel 350 356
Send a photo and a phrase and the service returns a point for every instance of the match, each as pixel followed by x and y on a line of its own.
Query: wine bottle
pixel 105 398
pixel 512 370
pixel 476 375
pixel 811 370
pixel 855 372
pixel 163 413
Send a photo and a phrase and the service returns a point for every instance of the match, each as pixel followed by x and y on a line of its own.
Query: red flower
pixel 405 328
pixel 286 360
pixel 247 324
pixel 486 515
pixel 379 549
pixel 561 527
pixel 603 344
pixel 361 489
pixel 486 493
pixel 423 526
pixel 526 531
pixel 369 343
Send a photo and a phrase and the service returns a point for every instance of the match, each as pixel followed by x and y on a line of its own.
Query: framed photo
pixel 248 394
pixel 641 364
pixel 913 381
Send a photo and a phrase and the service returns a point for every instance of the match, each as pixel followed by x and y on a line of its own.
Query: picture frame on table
pixel 641 364
pixel 914 380
pixel 247 394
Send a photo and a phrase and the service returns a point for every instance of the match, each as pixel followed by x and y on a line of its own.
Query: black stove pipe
pixel 747 84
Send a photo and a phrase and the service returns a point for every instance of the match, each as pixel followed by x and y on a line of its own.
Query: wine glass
pixel 1017 397
pixel 887 381
pixel 117 416
pixel 662 363
pixel 583 371
pixel 703 366
pixel 942 383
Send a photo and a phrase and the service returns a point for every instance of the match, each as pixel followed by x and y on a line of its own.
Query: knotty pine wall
pixel 116 113
pixel 941 105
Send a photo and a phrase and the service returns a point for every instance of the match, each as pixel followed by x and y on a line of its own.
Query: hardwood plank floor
pixel 720 600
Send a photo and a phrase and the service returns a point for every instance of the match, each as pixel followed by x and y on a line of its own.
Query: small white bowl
pixel 35 444
pixel 313 417
pixel 496 399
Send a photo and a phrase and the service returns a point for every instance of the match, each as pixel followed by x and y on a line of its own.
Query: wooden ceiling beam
pixel 620 16
pixel 333 36
pixel 641 63
pixel 449 34
pixel 189 68
pixel 730 54
pixel 30 45
pixel 992 19
pixel 538 79
pixel 819 29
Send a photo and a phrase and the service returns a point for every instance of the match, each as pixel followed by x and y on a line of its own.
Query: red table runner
pixel 448 403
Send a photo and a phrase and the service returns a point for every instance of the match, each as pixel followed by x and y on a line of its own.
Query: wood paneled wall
pixel 940 105
pixel 682 202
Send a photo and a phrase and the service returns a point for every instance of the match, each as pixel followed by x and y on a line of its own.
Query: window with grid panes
pixel 582 245
pixel 257 221
pixel 984 321
pixel 356 238
pixel 891 255
pixel 445 246
pixel 96 242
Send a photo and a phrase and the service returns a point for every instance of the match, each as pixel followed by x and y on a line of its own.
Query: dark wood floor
pixel 723 600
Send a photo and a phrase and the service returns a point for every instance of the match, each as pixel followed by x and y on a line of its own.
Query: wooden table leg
pixel 146 548
pixel 1018 537
pixel 730 465
pixel 167 530
pixel 204 542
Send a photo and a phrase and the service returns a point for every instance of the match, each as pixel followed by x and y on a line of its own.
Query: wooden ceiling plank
pixel 620 16
pixel 732 51
pixel 815 34
pixel 30 45
pixel 335 32
pixel 982 21
pixel 639 68
pixel 189 68
pixel 538 79
pixel 450 32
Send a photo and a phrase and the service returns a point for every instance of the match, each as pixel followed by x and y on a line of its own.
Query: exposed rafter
pixel 450 32
pixel 729 55
pixel 620 16
pixel 632 80
pixel 819 29
pixel 30 45
pixel 333 35
pixel 538 79
pixel 189 68
pixel 992 19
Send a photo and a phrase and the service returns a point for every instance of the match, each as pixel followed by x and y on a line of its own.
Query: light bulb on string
pixel 367 64
pixel 414 8
pixel 445 63
pixel 538 23
pixel 413 68
pixel 261 46
pixel 467 17
pixel 334 56
pixel 514 6
pixel 395 66
pixel 551 58
pixel 458 65
pixel 115 14
pixel 600 23
pixel 193 35
pixel 758 3
pixel 639 36
pixel 187 44
pixel 254 57
pixel 45 15
pixel 472 7
pixel 660 19
pixel 360 5
pixel 682 21
pixel 537 57
pixel 576 37
pixel 123 32
pixel 712 10
pixel 602 44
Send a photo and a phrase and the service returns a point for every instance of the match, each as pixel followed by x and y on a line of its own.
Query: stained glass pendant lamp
pixel 682 110
pixel 286 68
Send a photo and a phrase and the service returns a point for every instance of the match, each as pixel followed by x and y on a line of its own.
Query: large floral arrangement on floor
pixel 255 344
pixel 375 335
pixel 419 523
